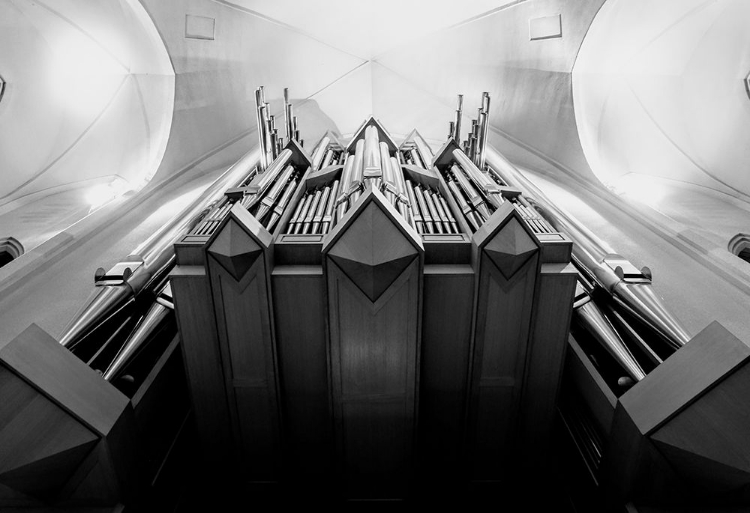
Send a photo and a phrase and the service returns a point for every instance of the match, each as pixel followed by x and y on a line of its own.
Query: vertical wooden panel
pixel 503 322
pixel 552 310
pixel 202 358
pixel 374 365
pixel 373 263
pixel 243 317
pixel 446 344
pixel 300 311
pixel 506 257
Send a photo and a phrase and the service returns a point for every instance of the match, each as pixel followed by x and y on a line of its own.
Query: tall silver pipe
pixel 599 259
pixel 371 159
pixel 485 130
pixel 459 113
pixel 261 126
pixel 154 319
pixel 596 324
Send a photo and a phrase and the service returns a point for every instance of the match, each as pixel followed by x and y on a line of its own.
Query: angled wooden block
pixel 691 412
pixel 55 412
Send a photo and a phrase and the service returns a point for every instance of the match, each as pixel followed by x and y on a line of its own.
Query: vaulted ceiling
pixel 135 93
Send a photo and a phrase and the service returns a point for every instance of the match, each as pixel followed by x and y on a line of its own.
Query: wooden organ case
pixel 358 351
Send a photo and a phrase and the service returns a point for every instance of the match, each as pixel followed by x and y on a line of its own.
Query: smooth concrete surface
pixel 34 222
pixel 529 81
pixel 658 90
pixel 89 95
pixel 216 79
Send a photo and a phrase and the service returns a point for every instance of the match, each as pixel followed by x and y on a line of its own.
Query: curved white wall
pixel 658 89
pixel 89 95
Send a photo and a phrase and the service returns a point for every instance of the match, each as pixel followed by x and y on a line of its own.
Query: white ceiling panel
pixel 367 28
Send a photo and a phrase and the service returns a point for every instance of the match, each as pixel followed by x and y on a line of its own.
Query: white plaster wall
pixel 88 98
pixel 659 91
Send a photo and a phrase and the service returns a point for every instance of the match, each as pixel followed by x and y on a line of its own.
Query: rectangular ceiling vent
pixel 546 27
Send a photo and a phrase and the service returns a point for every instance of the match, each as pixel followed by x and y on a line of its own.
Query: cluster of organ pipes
pixel 476 140
pixel 615 305
pixel 315 212
pixel 132 305
pixel 268 135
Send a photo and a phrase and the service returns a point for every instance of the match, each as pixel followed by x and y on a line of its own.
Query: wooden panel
pixel 65 379
pixel 374 370
pixel 446 345
pixel 40 444
pixel 299 305
pixel 71 410
pixel 710 438
pixel 243 316
pixel 503 322
pixel 689 372
pixel 634 470
pixel 553 303
pixel 202 359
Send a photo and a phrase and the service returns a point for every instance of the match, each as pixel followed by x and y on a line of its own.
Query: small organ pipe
pixel 459 113
pixel 318 217
pixel 311 211
pixel 328 217
pixel 303 213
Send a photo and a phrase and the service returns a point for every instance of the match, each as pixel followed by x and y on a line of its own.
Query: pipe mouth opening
pixel 739 246
pixel 10 249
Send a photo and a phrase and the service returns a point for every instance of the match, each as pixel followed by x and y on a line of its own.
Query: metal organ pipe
pixel 356 182
pixel 459 113
pixel 319 152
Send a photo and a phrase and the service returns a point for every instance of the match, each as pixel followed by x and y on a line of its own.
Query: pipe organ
pixel 374 330
pixel 375 321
